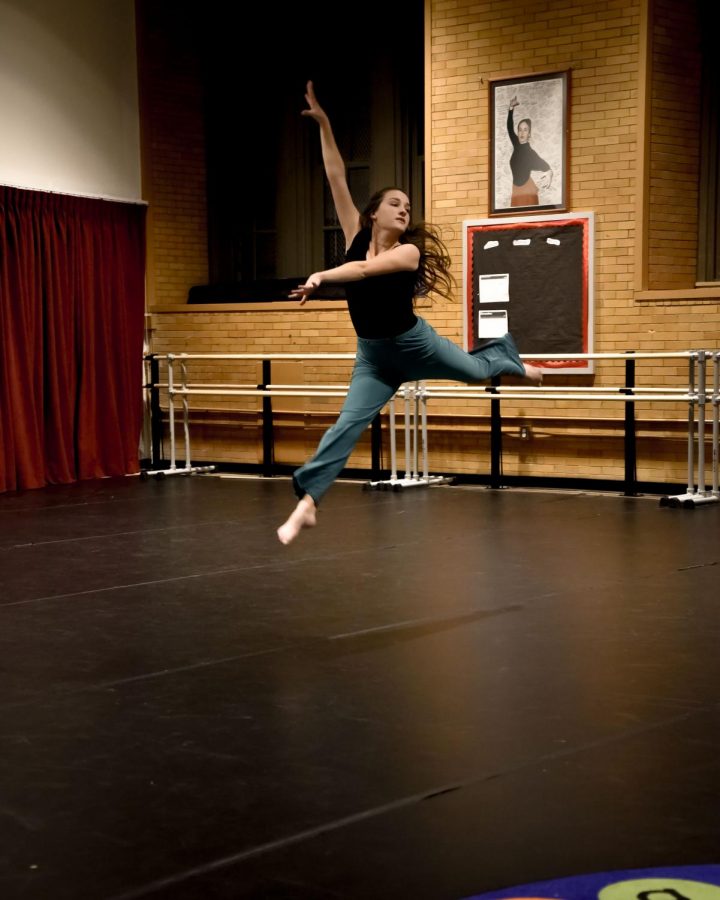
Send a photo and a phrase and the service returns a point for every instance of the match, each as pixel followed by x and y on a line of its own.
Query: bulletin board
pixel 532 277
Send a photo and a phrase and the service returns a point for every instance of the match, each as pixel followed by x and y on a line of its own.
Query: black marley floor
pixel 432 694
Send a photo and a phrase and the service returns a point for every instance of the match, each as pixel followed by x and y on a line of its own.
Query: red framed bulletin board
pixel 532 277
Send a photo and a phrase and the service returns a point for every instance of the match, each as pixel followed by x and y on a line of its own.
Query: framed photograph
pixel 533 277
pixel 529 143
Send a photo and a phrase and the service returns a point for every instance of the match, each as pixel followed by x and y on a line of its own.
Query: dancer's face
pixel 523 132
pixel 393 213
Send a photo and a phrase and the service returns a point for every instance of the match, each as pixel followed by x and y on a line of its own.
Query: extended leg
pixel 367 395
pixel 428 355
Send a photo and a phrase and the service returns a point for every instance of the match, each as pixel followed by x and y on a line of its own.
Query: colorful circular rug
pixel 665 883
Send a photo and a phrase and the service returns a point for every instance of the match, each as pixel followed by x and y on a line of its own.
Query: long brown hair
pixel 434 272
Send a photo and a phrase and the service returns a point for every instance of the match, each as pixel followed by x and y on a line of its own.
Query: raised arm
pixel 346 210
pixel 511 124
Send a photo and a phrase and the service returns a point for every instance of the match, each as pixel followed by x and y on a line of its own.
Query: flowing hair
pixel 434 273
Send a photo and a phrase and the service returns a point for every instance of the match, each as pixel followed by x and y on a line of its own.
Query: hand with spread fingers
pixel 303 291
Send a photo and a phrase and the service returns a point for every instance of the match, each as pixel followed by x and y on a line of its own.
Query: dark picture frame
pixel 529 172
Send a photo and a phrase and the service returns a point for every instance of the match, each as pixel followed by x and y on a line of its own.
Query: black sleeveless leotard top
pixel 381 306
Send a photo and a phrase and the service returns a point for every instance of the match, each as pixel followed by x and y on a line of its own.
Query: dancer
pixel 524 161
pixel 388 262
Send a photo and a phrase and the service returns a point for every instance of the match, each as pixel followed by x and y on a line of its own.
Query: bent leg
pixel 367 395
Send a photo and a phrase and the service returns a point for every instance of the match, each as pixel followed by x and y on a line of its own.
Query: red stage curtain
pixel 72 300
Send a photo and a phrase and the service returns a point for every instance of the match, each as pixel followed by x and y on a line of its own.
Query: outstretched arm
pixel 334 168
pixel 405 258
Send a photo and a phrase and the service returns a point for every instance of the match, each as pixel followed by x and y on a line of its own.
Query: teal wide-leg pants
pixel 381 366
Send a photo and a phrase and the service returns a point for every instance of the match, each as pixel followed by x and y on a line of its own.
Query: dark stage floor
pixel 432 694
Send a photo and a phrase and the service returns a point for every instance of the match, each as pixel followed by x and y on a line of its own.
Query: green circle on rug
pixel 660 889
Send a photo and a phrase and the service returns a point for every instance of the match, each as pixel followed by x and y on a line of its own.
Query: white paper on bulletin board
pixel 492 323
pixel 494 288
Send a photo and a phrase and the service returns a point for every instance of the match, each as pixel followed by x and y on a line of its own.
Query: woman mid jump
pixel 388 262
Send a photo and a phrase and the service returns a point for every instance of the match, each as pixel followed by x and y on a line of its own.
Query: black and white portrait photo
pixel 528 143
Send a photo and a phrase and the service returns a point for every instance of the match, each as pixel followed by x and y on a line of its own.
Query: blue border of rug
pixel 587 887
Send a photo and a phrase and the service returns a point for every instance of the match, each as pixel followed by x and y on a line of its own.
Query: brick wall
pixel 601 46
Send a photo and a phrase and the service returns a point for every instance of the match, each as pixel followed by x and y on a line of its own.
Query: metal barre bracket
pixel 399 484
pixel 416 395
pixel 173 470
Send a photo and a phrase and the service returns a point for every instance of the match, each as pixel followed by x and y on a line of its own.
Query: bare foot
pixel 533 374
pixel 303 516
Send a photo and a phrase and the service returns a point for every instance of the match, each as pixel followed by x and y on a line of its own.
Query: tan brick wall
pixel 600 44
pixel 470 43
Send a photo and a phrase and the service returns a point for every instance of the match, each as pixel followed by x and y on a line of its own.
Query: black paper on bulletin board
pixel 547 264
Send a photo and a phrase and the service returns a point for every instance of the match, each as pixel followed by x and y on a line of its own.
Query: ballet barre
pixel 699 395
pixel 181 388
